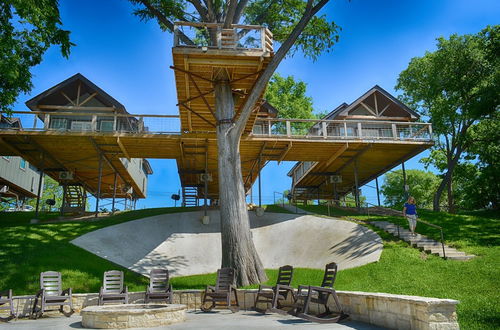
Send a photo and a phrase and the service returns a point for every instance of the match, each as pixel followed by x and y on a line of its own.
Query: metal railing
pixel 215 36
pixel 95 122
pixel 302 169
pixel 342 129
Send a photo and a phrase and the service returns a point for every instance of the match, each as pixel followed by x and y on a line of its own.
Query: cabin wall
pixel 136 171
pixel 14 171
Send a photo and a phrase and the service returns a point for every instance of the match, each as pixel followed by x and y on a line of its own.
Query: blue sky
pixel 130 60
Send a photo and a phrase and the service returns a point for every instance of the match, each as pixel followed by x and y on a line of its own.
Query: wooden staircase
pixel 75 200
pixel 422 242
pixel 190 196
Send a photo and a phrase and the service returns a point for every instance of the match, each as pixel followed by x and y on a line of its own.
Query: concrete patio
pixel 199 320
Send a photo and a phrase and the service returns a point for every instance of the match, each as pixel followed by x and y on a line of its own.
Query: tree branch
pixel 165 21
pixel 239 11
pixel 262 81
pixel 201 10
pixel 231 9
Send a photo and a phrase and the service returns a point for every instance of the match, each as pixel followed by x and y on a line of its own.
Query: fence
pixel 342 129
pixel 215 36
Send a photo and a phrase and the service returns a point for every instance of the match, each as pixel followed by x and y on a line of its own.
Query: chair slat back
pixel 285 275
pixel 51 283
pixel 113 281
pixel 158 280
pixel 330 275
pixel 225 278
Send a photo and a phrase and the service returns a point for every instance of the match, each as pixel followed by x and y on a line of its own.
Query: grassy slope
pixel 29 249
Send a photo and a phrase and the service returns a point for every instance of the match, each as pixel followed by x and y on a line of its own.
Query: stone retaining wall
pixel 382 309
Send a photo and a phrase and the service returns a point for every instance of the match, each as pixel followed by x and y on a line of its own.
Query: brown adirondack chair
pixel 6 299
pixel 113 289
pixel 275 294
pixel 220 294
pixel 159 289
pixel 315 294
pixel 52 294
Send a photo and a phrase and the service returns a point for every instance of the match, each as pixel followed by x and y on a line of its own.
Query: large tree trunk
pixel 446 181
pixel 238 250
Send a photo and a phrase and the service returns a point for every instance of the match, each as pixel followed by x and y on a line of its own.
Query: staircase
pixel 190 196
pixel 75 200
pixel 422 242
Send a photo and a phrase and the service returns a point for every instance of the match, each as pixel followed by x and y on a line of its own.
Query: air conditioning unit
pixel 206 177
pixel 66 175
pixel 335 178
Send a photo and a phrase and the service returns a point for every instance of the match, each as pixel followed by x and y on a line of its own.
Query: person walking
pixel 410 212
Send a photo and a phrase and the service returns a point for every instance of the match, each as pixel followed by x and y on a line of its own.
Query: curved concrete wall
pixel 182 244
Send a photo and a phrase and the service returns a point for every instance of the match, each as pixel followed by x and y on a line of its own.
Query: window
pixel 22 164
pixel 106 126
pixel 81 126
pixel 59 123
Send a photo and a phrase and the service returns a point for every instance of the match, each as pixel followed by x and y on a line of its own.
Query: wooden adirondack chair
pixel 113 290
pixel 52 294
pixel 159 289
pixel 220 294
pixel 315 294
pixel 6 299
pixel 275 294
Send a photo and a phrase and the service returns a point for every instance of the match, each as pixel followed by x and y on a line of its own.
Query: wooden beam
pixel 122 148
pixel 78 94
pixel 67 98
pixel 191 74
pixel 368 108
pixel 186 83
pixel 106 159
pixel 202 96
pixel 197 114
pixel 284 153
pixel 223 62
pixel 71 108
pixel 376 104
pixel 383 110
pixel 336 155
pixel 362 151
pixel 91 96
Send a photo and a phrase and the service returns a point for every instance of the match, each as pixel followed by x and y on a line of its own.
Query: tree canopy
pixel 422 184
pixel 27 29
pixel 455 87
pixel 289 97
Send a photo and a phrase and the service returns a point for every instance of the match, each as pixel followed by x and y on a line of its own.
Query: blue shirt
pixel 411 209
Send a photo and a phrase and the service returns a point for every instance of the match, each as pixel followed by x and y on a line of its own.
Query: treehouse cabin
pixel 377 118
pixel 18 178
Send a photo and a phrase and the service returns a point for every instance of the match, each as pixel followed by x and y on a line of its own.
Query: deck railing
pixel 343 129
pixel 95 122
pixel 215 36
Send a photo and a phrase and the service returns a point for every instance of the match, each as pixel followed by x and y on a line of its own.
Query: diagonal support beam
pixel 191 74
pixel 197 114
pixel 336 154
pixel 202 96
pixel 284 153
pixel 122 148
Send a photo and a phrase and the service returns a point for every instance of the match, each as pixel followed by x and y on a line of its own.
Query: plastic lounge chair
pixel 220 294
pixel 52 294
pixel 113 290
pixel 275 294
pixel 319 295
pixel 159 289
pixel 6 298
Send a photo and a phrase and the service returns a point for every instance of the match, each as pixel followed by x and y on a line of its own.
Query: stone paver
pixel 198 320
pixel 422 242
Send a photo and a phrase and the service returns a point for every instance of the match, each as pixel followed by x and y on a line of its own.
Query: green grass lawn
pixel 26 250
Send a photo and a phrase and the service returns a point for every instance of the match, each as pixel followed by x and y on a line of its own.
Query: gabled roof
pixel 345 108
pixel 70 86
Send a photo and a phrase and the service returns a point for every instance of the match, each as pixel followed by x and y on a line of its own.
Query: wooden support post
pixel 360 131
pixel 99 179
pixel 94 123
pixel 356 191
pixel 114 194
pixel 46 122
pixel 39 191
pixel 176 35
pixel 288 129
pixel 205 188
pixel 394 131
pixel 260 186
pixel 324 130
pixel 405 191
pixel 65 188
pixel 378 193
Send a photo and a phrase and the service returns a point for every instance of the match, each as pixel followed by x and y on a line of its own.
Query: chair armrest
pixel 101 290
pixel 284 287
pixel 321 289
pixel 210 287
pixel 170 289
pixel 302 287
pixel 40 292
pixel 265 287
pixel 68 292
pixel 125 290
